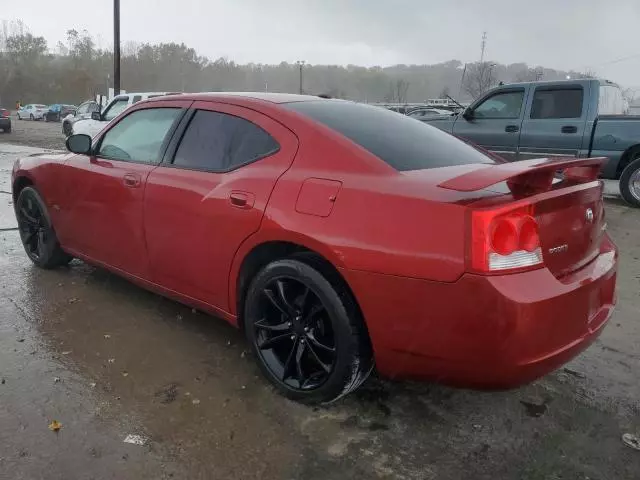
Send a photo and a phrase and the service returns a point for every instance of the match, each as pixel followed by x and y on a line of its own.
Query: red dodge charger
pixel 338 236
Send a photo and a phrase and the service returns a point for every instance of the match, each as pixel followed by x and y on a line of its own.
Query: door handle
pixel 243 200
pixel 569 129
pixel 511 128
pixel 131 180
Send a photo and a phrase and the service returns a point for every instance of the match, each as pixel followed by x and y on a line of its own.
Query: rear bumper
pixel 485 332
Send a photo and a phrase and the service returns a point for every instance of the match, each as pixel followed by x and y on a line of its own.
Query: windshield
pixel 400 141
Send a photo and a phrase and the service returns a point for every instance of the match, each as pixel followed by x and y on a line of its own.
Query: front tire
pixel 306 334
pixel 630 183
pixel 36 231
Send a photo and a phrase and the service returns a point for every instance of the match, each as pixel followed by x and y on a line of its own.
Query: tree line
pixel 70 72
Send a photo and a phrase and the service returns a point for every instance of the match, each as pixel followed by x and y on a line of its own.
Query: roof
pixel 265 96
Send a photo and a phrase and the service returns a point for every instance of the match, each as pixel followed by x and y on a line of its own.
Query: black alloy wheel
pixel 295 337
pixel 36 232
pixel 308 339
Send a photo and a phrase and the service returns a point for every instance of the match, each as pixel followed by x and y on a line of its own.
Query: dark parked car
pixel 58 111
pixel 5 120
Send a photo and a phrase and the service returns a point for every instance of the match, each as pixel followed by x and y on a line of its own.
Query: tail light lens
pixel 504 240
pixel 4 113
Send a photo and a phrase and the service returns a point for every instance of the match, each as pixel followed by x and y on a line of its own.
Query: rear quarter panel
pixel 614 134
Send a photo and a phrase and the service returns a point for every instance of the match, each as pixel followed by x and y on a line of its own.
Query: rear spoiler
pixel 527 175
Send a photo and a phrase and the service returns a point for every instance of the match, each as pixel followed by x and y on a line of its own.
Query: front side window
pixel 501 105
pixel 557 103
pixel 115 109
pixel 220 142
pixel 82 109
pixel 139 136
pixel 93 107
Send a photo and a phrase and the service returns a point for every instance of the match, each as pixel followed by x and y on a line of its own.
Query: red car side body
pixel 399 240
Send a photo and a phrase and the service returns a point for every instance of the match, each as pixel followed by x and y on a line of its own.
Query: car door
pixel 103 215
pixel 209 195
pixel 494 122
pixel 554 123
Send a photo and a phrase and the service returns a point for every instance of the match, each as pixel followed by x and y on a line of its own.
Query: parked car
pixel 5 120
pixel 59 111
pixel 336 235
pixel 97 121
pixel 576 118
pixel 421 112
pixel 84 111
pixel 33 111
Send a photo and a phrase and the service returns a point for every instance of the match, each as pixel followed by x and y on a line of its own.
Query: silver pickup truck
pixel 578 118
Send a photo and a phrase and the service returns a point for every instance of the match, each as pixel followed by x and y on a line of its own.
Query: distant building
pixel 634 107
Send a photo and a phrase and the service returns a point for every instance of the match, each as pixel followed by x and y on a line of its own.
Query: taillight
pixel 5 113
pixel 504 240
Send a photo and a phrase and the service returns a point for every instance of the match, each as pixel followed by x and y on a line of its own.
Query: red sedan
pixel 336 235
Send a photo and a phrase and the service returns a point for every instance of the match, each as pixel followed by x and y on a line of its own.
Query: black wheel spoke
pixel 275 301
pixel 315 310
pixel 317 359
pixel 41 243
pixel 299 369
pixel 289 310
pixel 280 327
pixel 317 343
pixel 31 235
pixel 289 363
pixel 28 218
pixel 273 341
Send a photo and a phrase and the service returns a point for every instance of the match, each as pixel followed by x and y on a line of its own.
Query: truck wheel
pixel 630 183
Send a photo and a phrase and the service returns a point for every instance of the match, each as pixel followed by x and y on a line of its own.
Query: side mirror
pixel 467 114
pixel 79 143
pixel 96 116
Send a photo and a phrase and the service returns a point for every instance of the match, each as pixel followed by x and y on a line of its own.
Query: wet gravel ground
pixel 108 359
pixel 38 134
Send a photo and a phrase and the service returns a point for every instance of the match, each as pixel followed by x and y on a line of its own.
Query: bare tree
pixel 479 78
pixel 397 91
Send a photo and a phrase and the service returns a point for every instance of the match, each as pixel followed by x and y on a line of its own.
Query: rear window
pixel 557 103
pixel 400 141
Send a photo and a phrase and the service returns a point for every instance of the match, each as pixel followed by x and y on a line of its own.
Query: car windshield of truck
pixel 402 142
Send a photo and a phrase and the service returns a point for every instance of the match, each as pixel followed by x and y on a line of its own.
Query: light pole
pixel 116 47
pixel 300 64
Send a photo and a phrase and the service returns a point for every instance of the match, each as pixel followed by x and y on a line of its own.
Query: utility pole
pixel 464 72
pixel 116 47
pixel 483 45
pixel 300 64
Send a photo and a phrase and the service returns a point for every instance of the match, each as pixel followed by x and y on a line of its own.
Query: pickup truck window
pixel 557 102
pixel 501 105
pixel 115 109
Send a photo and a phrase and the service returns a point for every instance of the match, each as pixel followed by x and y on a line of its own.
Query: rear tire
pixel 36 231
pixel 630 183
pixel 306 334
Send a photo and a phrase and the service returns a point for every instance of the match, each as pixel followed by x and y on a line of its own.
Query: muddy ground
pixel 108 359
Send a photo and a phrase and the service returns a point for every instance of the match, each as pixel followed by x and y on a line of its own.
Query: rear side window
pixel 557 103
pixel 219 142
pixel 398 140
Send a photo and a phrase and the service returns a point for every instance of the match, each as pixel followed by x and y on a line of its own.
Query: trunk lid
pixel 569 211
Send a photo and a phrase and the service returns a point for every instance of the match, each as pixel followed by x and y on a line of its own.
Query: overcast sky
pixel 567 34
